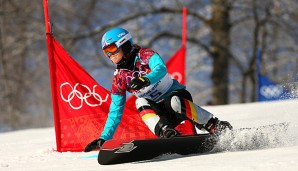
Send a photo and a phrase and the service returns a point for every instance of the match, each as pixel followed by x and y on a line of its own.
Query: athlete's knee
pixel 175 104
pixel 177 100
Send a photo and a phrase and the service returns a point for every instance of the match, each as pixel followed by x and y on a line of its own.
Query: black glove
pixel 96 144
pixel 138 83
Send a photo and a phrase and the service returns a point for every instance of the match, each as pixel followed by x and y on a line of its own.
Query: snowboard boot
pixel 215 126
pixel 168 132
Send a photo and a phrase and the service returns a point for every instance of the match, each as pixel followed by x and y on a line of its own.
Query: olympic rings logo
pixel 271 91
pixel 177 76
pixel 136 74
pixel 75 93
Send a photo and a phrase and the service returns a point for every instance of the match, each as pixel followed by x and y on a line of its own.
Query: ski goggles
pixel 114 48
pixel 111 49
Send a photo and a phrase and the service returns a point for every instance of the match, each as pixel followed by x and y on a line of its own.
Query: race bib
pixel 155 91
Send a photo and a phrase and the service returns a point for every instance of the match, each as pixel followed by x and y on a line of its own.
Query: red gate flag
pixel 80 104
pixel 176 65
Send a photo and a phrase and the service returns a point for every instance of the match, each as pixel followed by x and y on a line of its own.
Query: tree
pixel 23 64
pixel 220 50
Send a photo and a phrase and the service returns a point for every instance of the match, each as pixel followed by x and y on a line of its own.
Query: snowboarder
pixel 160 98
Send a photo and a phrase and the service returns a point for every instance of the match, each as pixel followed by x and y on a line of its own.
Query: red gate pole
pixel 49 40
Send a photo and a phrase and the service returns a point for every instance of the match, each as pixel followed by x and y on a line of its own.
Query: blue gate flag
pixel 267 89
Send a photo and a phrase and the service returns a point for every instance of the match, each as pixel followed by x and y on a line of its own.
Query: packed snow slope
pixel 34 149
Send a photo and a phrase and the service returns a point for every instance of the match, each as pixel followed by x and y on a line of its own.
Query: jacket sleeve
pixel 114 116
pixel 158 69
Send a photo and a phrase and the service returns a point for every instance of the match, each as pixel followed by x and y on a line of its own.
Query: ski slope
pixel 33 149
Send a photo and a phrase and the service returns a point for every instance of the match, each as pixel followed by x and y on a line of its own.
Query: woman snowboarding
pixel 160 99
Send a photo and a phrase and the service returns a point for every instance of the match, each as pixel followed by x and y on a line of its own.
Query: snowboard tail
pixel 121 151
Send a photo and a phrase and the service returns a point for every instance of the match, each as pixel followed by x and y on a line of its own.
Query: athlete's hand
pixel 138 83
pixel 96 144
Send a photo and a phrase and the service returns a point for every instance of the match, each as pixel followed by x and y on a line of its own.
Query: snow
pixel 34 149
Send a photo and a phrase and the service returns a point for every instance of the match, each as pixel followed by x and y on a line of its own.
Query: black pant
pixel 165 111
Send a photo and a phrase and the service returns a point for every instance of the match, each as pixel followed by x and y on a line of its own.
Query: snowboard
pixel 122 151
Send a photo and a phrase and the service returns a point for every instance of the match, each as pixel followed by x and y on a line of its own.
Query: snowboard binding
pixel 168 132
